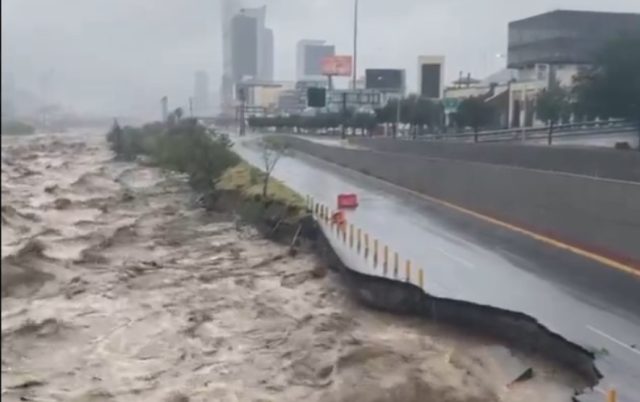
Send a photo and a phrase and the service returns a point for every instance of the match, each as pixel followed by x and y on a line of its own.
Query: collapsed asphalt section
pixel 515 330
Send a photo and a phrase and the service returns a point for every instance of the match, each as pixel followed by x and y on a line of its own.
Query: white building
pixel 309 56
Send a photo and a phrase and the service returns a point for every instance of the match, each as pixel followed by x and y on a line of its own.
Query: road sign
pixel 316 97
pixel 450 104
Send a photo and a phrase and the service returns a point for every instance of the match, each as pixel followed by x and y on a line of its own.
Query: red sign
pixel 337 65
pixel 347 201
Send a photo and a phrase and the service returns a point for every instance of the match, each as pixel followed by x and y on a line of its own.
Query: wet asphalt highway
pixel 465 258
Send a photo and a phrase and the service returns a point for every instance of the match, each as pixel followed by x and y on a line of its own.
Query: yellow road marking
pixel 544 239
pixel 556 243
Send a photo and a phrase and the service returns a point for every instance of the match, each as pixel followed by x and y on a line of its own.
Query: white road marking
pixel 456 258
pixel 612 339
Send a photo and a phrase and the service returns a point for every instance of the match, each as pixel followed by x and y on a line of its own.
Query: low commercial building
pixel 555 47
pixel 545 49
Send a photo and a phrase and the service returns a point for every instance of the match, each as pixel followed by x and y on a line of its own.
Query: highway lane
pixel 593 140
pixel 468 259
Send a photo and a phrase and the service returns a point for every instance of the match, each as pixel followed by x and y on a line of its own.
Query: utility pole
pixel 397 125
pixel 355 43
pixel 191 107
pixel 242 95
pixel 344 115
pixel 164 107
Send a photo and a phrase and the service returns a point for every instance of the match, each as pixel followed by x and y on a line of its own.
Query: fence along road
pixel 471 260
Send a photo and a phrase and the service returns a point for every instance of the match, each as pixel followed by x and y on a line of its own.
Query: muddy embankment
pixel 118 286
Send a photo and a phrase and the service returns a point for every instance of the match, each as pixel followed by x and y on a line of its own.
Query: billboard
pixel 337 65
pixel 385 79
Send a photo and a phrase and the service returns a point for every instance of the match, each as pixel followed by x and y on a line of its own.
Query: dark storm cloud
pixel 121 56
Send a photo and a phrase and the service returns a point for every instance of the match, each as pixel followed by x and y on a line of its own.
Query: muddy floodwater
pixel 116 286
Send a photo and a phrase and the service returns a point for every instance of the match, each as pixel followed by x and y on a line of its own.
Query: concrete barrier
pixel 598 162
pixel 600 216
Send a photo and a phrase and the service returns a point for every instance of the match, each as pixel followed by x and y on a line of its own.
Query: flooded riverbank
pixel 116 286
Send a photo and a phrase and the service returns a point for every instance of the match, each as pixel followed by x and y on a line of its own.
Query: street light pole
pixel 355 43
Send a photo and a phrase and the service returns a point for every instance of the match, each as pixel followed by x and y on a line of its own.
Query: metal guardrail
pixel 524 134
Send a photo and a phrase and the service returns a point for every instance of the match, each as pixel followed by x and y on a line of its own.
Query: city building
pixel 553 48
pixel 565 37
pixel 268 97
pixel 289 102
pixel 247 49
pixel 359 100
pixel 494 89
pixel 431 76
pixel 201 104
pixel 546 49
pixel 309 56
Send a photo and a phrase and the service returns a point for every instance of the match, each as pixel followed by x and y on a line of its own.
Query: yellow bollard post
pixel 351 235
pixel 612 396
pixel 421 278
pixel 408 271
pixel 396 263
pixel 366 245
pixel 359 240
pixel 375 253
pixel 385 261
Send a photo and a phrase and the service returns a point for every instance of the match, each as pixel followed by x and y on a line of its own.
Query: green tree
pixel 366 122
pixel 474 112
pixel 553 105
pixel 612 87
pixel 272 151
pixel 388 114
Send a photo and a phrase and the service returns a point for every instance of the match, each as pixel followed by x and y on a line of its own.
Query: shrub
pixel 184 146
pixel 14 127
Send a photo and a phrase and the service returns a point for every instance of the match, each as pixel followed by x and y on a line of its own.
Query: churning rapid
pixel 116 286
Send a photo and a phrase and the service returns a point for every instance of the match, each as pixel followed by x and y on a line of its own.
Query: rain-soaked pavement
pixel 590 304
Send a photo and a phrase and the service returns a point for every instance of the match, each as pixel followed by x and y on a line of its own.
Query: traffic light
pixel 316 97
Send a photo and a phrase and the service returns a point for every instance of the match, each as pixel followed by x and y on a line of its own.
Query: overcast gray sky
pixel 118 57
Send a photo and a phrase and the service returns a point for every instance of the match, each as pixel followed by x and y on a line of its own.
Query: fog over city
pixel 119 57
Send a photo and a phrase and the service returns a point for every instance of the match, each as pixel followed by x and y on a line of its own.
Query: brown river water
pixel 117 287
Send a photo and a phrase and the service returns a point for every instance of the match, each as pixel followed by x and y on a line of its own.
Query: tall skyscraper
pixel 267 56
pixel 247 47
pixel 309 56
pixel 201 104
